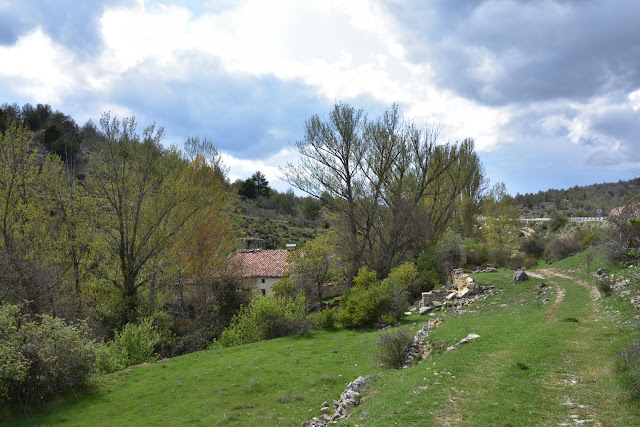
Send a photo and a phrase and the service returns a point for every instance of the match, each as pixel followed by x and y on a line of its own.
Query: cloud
pixel 518 77
pixel 499 52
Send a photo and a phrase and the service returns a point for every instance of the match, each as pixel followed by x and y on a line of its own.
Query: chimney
pixel 291 247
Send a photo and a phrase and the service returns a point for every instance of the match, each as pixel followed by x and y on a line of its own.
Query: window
pixel 264 292
pixel 263 280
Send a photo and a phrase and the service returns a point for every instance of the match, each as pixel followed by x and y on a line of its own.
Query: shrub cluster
pixel 266 318
pixel 372 302
pixel 41 356
pixel 133 345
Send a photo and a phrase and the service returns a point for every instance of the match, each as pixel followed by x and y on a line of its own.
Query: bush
pixel 266 318
pixel 326 319
pixel 557 220
pixel 605 285
pixel 561 247
pixel 628 366
pixel 370 301
pixel 133 345
pixel 390 348
pixel 477 254
pixel 41 357
pixel 533 247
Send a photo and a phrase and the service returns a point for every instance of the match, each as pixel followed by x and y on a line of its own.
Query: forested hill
pixel 579 201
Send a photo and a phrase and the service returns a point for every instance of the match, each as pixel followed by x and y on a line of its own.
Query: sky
pixel 549 90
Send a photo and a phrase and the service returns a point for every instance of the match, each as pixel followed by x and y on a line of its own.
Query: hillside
pixel 589 200
pixel 534 364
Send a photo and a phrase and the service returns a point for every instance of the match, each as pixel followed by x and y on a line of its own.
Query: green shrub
pixel 533 247
pixel 325 319
pixel 592 238
pixel 628 367
pixel 557 220
pixel 477 254
pixel 266 318
pixel 561 247
pixel 370 301
pixel 390 348
pixel 133 345
pixel 42 356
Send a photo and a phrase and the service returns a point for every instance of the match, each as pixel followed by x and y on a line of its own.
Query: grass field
pixel 533 364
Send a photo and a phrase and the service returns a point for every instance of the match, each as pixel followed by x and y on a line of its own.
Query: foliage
pixel 501 219
pixel 390 348
pixel 371 302
pixel 477 253
pixel 429 275
pixel 310 267
pixel 325 319
pixel 256 186
pixel 265 318
pixel 133 345
pixel 561 247
pixel 311 208
pixel 557 220
pixel 533 246
pixel 149 197
pixel 377 175
pixel 42 356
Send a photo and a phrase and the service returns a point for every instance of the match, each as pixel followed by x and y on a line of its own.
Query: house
pixel 261 269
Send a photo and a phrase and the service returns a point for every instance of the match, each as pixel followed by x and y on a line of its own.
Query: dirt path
pixel 578 413
pixel 541 274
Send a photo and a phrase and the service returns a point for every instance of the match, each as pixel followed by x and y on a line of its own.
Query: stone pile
pixel 464 290
pixel 542 293
pixel 419 343
pixel 348 399
pixel 486 270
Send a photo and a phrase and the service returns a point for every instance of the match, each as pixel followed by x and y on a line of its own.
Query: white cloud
pixel 244 168
pixel 38 68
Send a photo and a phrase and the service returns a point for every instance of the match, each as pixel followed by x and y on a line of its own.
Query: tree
pixel 311 267
pixel 311 208
pixel 376 176
pixel 500 220
pixel 24 219
pixel 331 165
pixel 262 185
pixel 146 201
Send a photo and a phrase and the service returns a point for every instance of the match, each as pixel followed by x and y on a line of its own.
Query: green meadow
pixel 534 364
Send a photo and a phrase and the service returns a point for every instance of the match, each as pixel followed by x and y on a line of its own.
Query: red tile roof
pixel 262 263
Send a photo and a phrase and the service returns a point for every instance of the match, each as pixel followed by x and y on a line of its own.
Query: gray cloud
pixel 501 52
pixel 74 24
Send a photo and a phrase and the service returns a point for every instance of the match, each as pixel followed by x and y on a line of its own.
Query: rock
pixel 325 410
pixel 451 295
pixel 407 313
pixel 425 310
pixel 463 292
pixel 463 341
pixel 490 270
pixel 599 272
pixel 437 304
pixel 520 276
